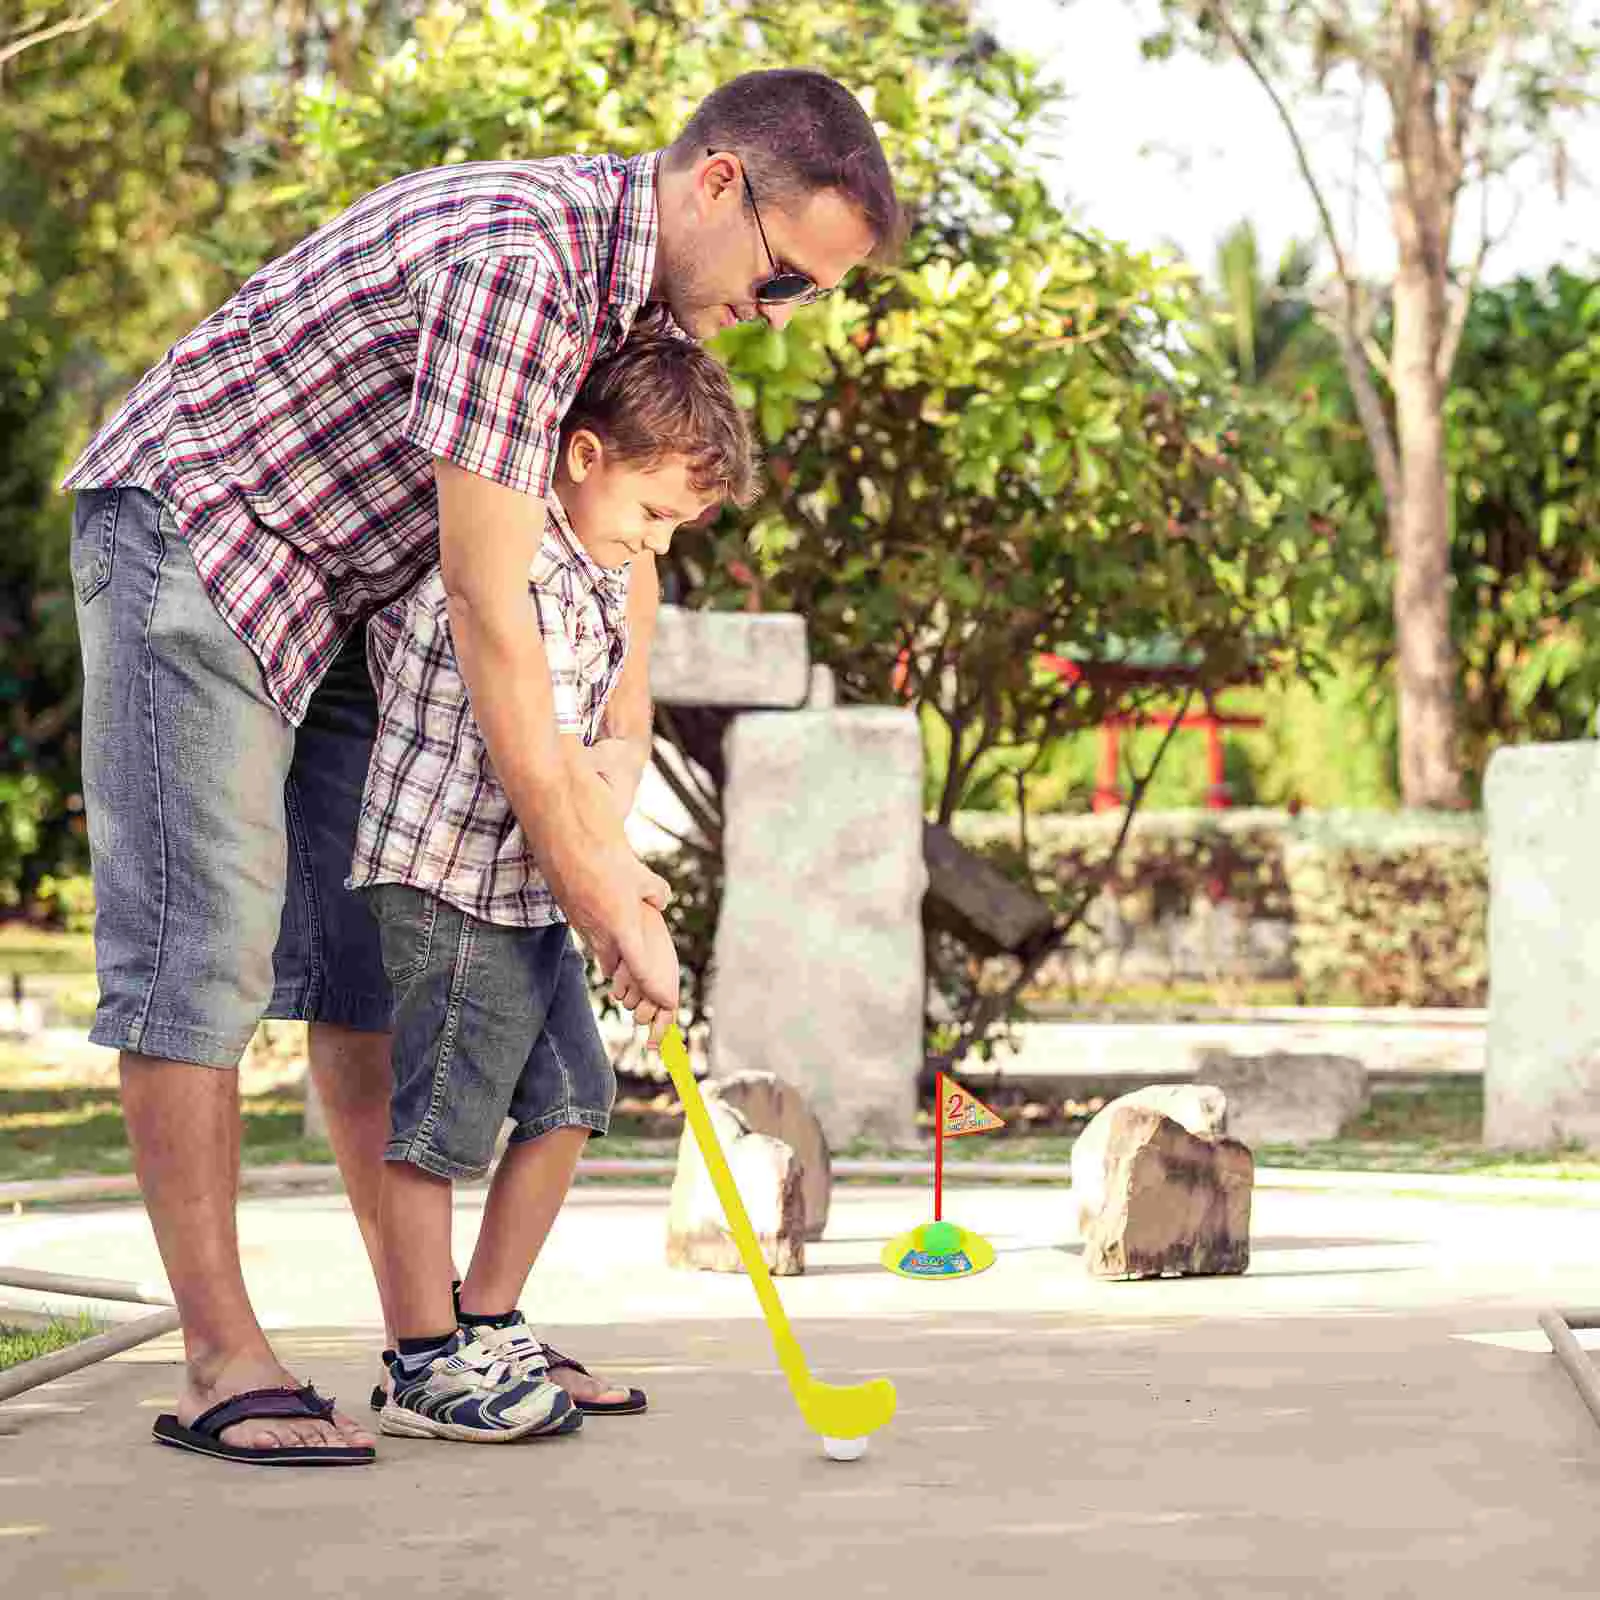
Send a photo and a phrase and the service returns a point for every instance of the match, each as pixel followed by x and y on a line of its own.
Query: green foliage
pixel 1386 908
pixel 1392 927
pixel 1524 452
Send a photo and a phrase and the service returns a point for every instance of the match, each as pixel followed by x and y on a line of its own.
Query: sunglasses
pixel 784 286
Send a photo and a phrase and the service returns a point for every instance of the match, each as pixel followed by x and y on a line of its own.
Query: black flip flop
pixel 203 1435
pixel 632 1406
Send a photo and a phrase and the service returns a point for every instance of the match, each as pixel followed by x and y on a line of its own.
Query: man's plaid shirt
pixel 453 313
pixel 434 815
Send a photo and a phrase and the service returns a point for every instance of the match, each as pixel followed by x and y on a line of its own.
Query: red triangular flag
pixel 961 1113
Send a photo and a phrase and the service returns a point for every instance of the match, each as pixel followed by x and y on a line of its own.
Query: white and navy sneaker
pixel 482 1390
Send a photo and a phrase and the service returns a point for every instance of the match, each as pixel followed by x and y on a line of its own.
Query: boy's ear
pixel 584 453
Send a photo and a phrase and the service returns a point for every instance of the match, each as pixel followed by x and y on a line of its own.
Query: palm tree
pixel 1257 324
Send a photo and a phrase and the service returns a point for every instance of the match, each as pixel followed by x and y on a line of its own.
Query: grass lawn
pixel 25 1344
pixel 28 950
pixel 53 1129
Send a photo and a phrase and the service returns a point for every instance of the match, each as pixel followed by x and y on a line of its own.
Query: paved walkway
pixel 1329 1424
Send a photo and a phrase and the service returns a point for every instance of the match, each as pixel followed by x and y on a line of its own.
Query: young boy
pixel 492 1016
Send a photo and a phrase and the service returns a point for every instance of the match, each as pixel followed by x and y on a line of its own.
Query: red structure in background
pixel 1108 794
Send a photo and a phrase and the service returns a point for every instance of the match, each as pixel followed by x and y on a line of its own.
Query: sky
pixel 1152 152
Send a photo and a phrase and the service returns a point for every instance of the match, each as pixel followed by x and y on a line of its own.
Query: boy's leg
pixel 565 1093
pixel 461 1032
pixel 328 967
pixel 184 756
pixel 529 1188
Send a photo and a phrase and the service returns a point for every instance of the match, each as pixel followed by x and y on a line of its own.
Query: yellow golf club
pixel 837 1413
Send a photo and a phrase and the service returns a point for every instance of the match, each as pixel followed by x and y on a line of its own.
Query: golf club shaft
pixel 790 1357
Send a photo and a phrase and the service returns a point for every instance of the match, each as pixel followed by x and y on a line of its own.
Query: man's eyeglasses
pixel 785 287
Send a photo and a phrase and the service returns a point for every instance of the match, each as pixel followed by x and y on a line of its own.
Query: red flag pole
pixel 938 1149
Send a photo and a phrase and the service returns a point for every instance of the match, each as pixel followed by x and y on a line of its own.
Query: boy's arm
pixel 488 536
pixel 624 751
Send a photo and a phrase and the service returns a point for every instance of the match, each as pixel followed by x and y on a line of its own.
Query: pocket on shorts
pixel 94 541
pixel 406 920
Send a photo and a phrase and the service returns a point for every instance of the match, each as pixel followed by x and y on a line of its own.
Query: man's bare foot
pixel 583 1387
pixel 237 1377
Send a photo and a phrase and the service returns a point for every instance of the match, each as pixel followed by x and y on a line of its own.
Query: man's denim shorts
pixel 220 835
pixel 490 1022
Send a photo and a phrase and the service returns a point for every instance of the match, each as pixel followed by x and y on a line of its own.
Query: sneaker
pixel 473 1391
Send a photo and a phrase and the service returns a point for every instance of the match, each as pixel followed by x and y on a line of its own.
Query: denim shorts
pixel 220 835
pixel 490 1022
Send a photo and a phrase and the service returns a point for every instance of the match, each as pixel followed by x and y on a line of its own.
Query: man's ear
pixel 584 452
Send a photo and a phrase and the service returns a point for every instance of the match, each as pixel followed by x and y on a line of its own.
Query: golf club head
pixel 846 1412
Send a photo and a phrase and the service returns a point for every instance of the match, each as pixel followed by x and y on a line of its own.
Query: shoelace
pixel 517 1347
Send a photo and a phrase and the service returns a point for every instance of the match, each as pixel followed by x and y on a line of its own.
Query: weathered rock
pixel 767 1173
pixel 1542 1083
pixel 1167 1201
pixel 1199 1107
pixel 818 973
pixel 729 658
pixel 766 1104
pixel 1284 1097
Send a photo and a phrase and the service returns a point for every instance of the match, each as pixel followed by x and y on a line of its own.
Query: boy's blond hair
pixel 661 396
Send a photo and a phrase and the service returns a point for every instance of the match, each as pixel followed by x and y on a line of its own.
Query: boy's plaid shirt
pixel 453 313
pixel 434 815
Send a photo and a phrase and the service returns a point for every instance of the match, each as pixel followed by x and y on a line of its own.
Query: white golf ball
pixel 844 1449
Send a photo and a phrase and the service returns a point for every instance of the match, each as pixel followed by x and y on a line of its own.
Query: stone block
pixel 1154 1199
pixel 729 658
pixel 1285 1096
pixel 1199 1108
pixel 818 969
pixel 766 1104
pixel 1542 1082
pixel 767 1173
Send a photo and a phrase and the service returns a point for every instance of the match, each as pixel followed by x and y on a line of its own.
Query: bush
pixel 66 903
pixel 1385 908
pixel 1392 924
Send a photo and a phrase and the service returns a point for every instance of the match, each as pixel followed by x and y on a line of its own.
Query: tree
pixel 40 24
pixel 1256 325
pixel 1471 93
pixel 998 448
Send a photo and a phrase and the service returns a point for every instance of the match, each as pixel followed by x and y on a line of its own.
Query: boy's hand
pixel 620 763
pixel 630 991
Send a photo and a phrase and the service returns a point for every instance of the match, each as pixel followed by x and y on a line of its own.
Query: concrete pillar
pixel 1542 1085
pixel 818 974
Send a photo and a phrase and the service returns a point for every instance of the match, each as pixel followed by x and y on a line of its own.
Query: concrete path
pixel 1318 1427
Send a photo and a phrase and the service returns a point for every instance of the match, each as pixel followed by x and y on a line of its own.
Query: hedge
pixel 1386 908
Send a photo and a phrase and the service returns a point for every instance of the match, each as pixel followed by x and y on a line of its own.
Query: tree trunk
pixel 1425 179
pixel 1430 764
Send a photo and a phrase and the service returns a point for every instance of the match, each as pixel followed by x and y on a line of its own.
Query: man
pixel 387 394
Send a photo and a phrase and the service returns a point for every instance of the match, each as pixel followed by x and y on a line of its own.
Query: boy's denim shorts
pixel 220 835
pixel 490 1022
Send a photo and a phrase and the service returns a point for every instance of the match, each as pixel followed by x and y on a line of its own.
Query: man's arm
pixel 488 536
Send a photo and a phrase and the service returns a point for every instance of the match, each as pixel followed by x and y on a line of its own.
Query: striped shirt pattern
pixel 453 313
pixel 434 815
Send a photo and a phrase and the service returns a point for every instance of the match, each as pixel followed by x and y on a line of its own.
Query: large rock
pixel 818 971
pixel 766 1104
pixel 1157 1199
pixel 767 1174
pixel 1285 1097
pixel 729 658
pixel 1199 1107
pixel 1542 1084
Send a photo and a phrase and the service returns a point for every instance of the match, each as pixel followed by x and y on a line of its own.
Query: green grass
pixel 26 1344
pixel 62 1132
pixel 30 950
pixel 57 1133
